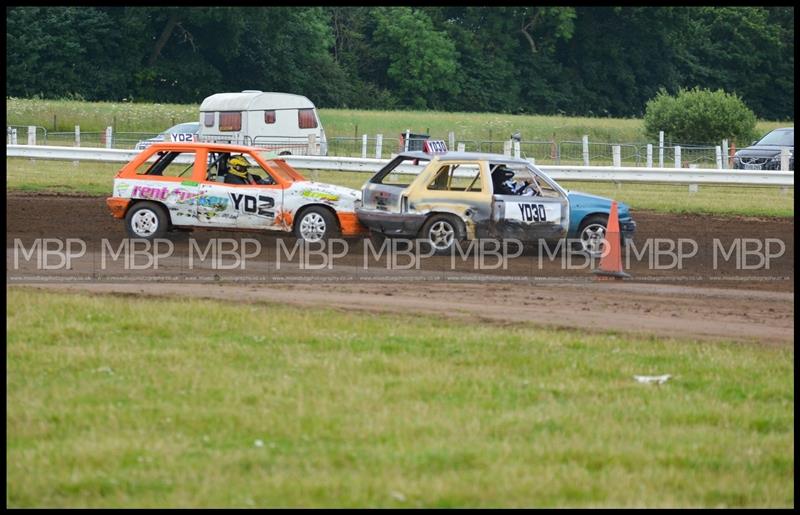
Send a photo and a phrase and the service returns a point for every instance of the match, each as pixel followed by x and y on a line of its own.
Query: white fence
pixel 544 152
pixel 692 176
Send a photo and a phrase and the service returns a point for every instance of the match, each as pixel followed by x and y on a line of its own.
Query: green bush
pixel 700 116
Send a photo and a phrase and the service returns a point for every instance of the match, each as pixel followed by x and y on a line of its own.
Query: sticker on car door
pixel 533 212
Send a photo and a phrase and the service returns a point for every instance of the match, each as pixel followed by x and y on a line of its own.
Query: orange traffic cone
pixel 611 262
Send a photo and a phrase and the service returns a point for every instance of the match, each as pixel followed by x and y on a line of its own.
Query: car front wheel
pixel 592 234
pixel 146 220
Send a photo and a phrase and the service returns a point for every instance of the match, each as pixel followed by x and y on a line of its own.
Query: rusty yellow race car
pixel 445 197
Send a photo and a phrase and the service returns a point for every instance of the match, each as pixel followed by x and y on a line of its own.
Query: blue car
pixel 444 198
pixel 588 218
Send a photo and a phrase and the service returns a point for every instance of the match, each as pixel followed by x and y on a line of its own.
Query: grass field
pixel 63 115
pixel 96 179
pixel 119 401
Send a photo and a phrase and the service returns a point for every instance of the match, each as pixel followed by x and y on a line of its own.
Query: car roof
pixel 465 156
pixel 222 147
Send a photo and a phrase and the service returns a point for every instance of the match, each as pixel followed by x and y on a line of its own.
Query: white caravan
pixel 282 122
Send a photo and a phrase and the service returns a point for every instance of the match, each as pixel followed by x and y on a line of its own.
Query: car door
pixel 459 187
pixel 169 177
pixel 531 218
pixel 253 206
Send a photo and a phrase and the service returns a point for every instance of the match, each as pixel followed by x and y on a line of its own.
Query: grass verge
pixel 118 401
pixel 63 115
pixel 97 179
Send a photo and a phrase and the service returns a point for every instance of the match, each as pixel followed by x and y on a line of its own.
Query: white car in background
pixel 183 132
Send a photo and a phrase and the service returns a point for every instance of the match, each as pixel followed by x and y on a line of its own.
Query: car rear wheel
pixel 316 224
pixel 441 233
pixel 146 220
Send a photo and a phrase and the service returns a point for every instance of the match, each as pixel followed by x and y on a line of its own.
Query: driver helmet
pixel 502 173
pixel 238 165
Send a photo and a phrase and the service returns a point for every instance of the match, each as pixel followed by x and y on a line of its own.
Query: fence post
pixel 13 136
pixel 451 139
pixel 731 154
pixel 109 135
pixel 616 156
pixel 77 135
pixel 718 156
pixel 461 147
pixel 507 148
pixel 725 154
pixel 585 140
pixel 379 145
pixel 661 149
pixel 784 159
pixel 405 141
pixel 31 134
pixel 649 155
pixel 677 156
pixel 312 145
pixel 516 149
pixel 363 145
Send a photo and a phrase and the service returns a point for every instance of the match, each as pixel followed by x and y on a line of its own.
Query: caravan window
pixel 306 119
pixel 269 116
pixel 230 121
pixel 208 120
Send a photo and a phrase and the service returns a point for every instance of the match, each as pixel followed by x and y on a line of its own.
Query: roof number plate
pixel 434 146
pixel 182 136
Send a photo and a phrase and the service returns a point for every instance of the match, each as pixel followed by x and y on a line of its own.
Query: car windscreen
pixel 783 138
pixel 189 128
pixel 278 167
pixel 401 171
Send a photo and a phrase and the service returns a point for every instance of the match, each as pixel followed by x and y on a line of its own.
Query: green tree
pixel 601 61
pixel 747 50
pixel 67 50
pixel 421 61
pixel 288 49
pixel 700 116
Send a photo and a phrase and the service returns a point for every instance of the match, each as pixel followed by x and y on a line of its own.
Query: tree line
pixel 575 61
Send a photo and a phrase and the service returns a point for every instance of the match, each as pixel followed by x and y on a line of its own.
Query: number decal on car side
pixel 532 212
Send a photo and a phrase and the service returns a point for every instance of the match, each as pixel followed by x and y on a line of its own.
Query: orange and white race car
pixel 219 186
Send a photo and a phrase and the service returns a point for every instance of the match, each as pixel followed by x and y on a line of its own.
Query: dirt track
pixel 695 301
